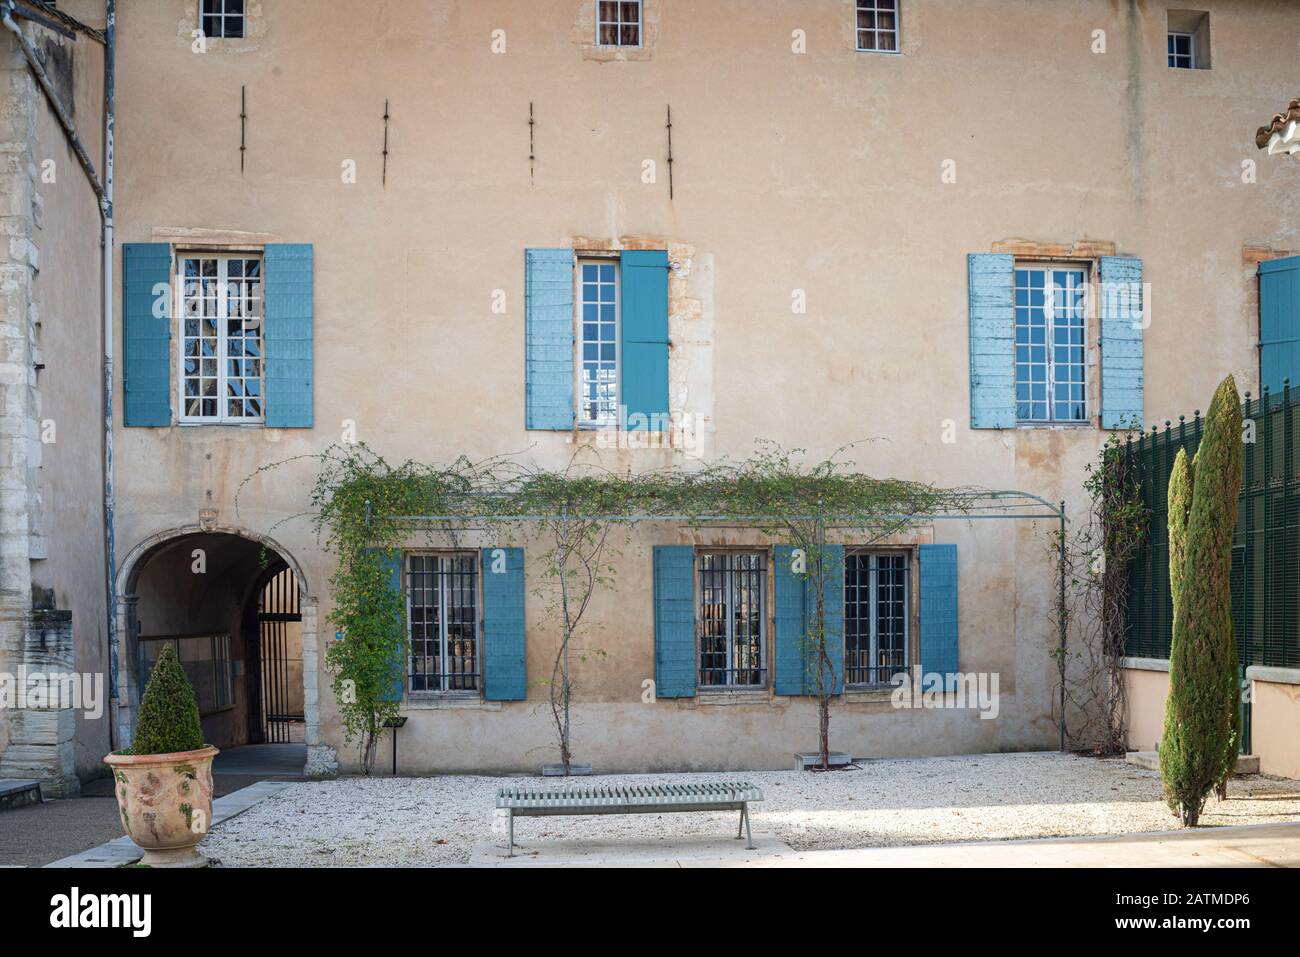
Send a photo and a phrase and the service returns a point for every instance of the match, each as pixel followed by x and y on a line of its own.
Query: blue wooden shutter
pixel 1121 342
pixel 548 338
pixel 643 389
pixel 991 290
pixel 1279 323
pixel 392 564
pixel 796 608
pixel 505 673
pixel 146 336
pixel 939 612
pixel 833 609
pixel 674 600
pixel 788 599
pixel 288 281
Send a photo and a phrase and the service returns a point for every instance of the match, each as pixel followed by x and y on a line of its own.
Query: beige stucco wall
pixel 68 296
pixel 1275 716
pixel 1145 692
pixel 1275 719
pixel 818 172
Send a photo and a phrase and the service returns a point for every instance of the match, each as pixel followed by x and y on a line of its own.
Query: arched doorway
pixel 237 609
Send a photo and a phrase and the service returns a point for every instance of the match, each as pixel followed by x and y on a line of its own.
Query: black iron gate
pixel 279 624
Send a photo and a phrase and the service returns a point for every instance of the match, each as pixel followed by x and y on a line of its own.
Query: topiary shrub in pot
pixel 164 780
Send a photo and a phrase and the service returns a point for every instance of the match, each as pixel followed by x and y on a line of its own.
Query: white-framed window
pixel 876 632
pixel 222 367
pixel 442 622
pixel 222 18
pixel 1051 335
pixel 597 341
pixel 877 26
pixel 618 23
pixel 1182 50
pixel 730 623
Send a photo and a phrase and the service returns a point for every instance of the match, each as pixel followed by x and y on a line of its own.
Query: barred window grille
pixel 731 619
pixel 875 618
pixel 206 661
pixel 442 615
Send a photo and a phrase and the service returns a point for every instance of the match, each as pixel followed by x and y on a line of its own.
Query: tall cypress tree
pixel 1201 714
pixel 1181 483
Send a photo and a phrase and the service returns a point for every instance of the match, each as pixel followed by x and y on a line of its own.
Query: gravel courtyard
pixel 439 820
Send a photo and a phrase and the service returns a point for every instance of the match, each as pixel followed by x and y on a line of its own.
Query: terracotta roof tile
pixel 1279 123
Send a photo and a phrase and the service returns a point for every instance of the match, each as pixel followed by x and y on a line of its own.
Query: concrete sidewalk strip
pixel 125 851
pixel 1250 845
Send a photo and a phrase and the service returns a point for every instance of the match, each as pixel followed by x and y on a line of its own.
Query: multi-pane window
pixel 221 339
pixel 730 620
pixel 223 18
pixel 878 25
pixel 618 23
pixel 1181 48
pixel 442 617
pixel 206 661
pixel 875 617
pixel 1051 327
pixel 598 343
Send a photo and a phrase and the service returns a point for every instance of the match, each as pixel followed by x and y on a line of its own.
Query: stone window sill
pixel 1145 664
pixel 867 695
pixel 1273 675
pixel 715 698
pixel 448 703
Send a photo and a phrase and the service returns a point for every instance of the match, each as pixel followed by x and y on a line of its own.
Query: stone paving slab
pixel 1256 845
pixel 579 853
pixel 125 851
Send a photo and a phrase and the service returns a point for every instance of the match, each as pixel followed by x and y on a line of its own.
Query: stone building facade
pixel 53 595
pixel 846 203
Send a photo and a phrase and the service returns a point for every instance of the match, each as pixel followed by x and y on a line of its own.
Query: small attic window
pixel 618 23
pixel 223 18
pixel 1187 46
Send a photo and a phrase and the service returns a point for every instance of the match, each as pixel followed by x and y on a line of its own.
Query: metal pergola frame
pixel 1002 505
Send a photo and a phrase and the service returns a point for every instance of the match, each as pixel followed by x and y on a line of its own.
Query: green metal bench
pixel 631 799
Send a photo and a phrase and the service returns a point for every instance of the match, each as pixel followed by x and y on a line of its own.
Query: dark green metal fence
pixel 1266 545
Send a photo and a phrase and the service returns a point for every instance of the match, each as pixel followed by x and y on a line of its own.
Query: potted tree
pixel 163 781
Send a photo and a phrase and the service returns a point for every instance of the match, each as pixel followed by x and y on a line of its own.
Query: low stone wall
pixel 1275 714
pixel 1276 719
pixel 1146 685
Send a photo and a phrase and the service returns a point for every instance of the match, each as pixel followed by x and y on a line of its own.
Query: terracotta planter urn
pixel 166 803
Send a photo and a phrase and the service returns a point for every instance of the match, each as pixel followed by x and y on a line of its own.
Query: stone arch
pixel 321 759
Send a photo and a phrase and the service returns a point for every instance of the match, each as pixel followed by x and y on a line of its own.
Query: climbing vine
pixel 365 506
pixel 1097 558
